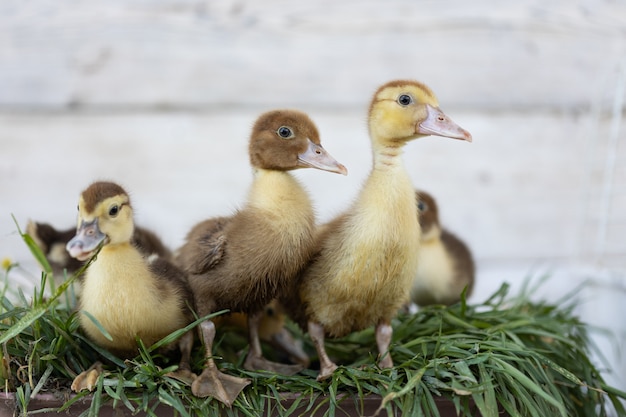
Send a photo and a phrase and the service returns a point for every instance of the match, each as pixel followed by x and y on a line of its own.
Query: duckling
pixel 129 294
pixel 365 260
pixel 445 265
pixel 53 241
pixel 242 262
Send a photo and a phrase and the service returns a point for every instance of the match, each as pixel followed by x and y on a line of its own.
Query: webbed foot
pixel 213 383
pixel 385 362
pixel 183 375
pixel 256 363
pixel 326 371
pixel 87 379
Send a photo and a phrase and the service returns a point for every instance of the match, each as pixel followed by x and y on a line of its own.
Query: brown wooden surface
pixel 347 406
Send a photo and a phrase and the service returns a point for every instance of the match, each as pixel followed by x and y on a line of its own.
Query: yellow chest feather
pixel 381 238
pixel 435 271
pixel 283 200
pixel 370 261
pixel 121 293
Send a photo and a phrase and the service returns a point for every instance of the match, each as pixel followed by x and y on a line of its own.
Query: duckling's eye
pixel 113 211
pixel 405 100
pixel 284 132
pixel 422 207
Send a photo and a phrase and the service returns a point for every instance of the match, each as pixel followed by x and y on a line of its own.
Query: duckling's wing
pixel 170 277
pixel 147 242
pixel 205 246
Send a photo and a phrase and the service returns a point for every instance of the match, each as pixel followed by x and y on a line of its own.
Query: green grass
pixel 509 353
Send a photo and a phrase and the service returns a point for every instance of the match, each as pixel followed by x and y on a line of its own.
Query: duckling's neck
pixel 433 234
pixel 387 157
pixel 113 263
pixel 278 192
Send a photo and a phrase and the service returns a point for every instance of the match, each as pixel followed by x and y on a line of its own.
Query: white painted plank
pixel 277 53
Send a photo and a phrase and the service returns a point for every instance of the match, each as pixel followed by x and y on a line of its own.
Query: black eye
pixel 421 206
pixel 113 211
pixel 405 99
pixel 284 132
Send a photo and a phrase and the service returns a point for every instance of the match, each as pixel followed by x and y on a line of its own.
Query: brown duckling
pixel 365 260
pixel 53 241
pixel 129 294
pixel 242 262
pixel 445 267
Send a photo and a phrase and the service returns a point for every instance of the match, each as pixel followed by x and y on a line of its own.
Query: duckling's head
pixel 428 215
pixel 287 139
pixel 104 217
pixel 404 110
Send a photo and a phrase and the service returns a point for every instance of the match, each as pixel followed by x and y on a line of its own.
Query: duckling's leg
pixel 283 340
pixel 185 344
pixel 255 360
pixel 88 378
pixel 383 340
pixel 327 367
pixel 212 382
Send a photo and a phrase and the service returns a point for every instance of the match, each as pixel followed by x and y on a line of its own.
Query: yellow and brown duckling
pixel 242 262
pixel 446 266
pixel 129 294
pixel 52 243
pixel 365 260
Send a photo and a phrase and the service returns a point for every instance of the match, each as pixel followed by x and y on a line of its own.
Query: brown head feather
pixel 268 150
pixel 428 212
pixel 98 191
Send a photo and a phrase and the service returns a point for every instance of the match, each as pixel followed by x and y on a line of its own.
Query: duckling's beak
pixel 88 238
pixel 284 341
pixel 438 124
pixel 316 157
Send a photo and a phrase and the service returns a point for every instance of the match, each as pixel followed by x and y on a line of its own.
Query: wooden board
pixel 189 54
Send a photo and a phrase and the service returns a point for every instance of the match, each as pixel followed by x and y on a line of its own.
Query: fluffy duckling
pixel 129 294
pixel 242 262
pixel 445 265
pixel 53 241
pixel 365 260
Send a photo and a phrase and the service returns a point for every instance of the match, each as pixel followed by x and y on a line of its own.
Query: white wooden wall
pixel 160 96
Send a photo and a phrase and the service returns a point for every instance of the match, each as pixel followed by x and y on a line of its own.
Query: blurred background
pixel 160 96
